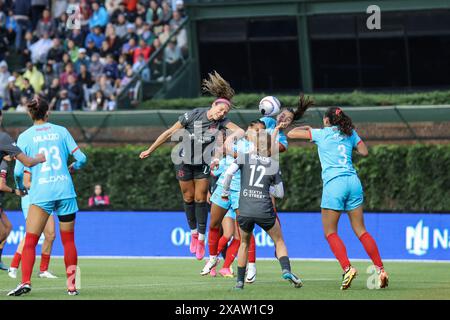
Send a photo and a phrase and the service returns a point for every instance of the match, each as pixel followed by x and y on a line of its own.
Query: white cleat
pixel 47 275
pixel 12 273
pixel 212 262
pixel 251 273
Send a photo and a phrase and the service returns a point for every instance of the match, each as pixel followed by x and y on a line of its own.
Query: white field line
pixel 293 259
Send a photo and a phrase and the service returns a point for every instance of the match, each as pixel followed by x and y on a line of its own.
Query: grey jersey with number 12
pixel 258 174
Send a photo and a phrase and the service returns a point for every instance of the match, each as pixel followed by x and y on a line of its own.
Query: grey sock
pixel 241 274
pixel 285 264
pixel 201 214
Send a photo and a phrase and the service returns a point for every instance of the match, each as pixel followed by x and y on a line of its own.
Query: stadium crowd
pixel 80 55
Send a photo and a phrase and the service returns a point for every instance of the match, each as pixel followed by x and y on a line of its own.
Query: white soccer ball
pixel 269 106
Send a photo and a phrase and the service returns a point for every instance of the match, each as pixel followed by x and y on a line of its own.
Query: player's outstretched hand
pixel 71 169
pixel 40 158
pixel 144 154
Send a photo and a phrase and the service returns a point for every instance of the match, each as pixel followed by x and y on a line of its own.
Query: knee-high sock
pixel 339 250
pixel 16 260
pixel 201 214
pixel 70 257
pixel 252 250
pixel 29 256
pixel 189 209
pixel 222 243
pixel 371 248
pixel 45 261
pixel 213 239
pixel 232 252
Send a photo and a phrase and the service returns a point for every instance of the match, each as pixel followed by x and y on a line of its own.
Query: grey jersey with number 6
pixel 258 174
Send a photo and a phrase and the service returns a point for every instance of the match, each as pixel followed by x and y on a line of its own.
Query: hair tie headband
pixel 338 111
pixel 223 100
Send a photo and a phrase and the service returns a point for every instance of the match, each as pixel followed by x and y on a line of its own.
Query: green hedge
pixel 398 178
pixel 356 98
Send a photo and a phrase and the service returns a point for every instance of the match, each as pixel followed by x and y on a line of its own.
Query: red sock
pixel 70 257
pixel 371 248
pixel 16 260
pixel 29 256
pixel 338 248
pixel 232 252
pixel 45 261
pixel 252 250
pixel 222 243
pixel 213 239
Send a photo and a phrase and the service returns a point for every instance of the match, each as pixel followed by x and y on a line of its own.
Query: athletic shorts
pixel 232 202
pixel 231 214
pixel 60 207
pixel 343 193
pixel 248 223
pixel 187 172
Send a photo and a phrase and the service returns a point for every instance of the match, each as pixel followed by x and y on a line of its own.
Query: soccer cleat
pixel 348 277
pixel 12 273
pixel 72 292
pixel 21 289
pixel 47 275
pixel 226 273
pixel 239 286
pixel 213 272
pixel 3 266
pixel 292 278
pixel 251 273
pixel 384 278
pixel 212 262
pixel 194 242
pixel 200 253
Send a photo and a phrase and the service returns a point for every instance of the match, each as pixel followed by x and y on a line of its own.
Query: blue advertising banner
pixel 399 236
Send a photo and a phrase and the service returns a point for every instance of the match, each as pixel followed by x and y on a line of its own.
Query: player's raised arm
pixel 228 176
pixel 161 139
pixel 303 133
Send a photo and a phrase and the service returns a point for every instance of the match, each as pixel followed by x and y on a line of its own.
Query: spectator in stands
pixel 143 49
pixel 82 59
pixel 22 106
pixel 112 5
pixel 122 65
pixel 104 51
pixel 121 26
pixel 139 26
pixel 37 7
pixel 74 92
pixel 52 93
pixel 113 41
pixel 27 90
pixel 110 68
pixel 166 12
pixel 4 42
pixel 121 10
pixel 13 95
pixel 99 16
pixel 77 36
pixel 172 56
pixel 4 76
pixel 128 49
pixel 49 75
pixel 96 36
pixel 179 6
pixel 141 11
pixel 131 32
pixel 22 13
pixel 63 102
pixel 158 60
pixel 45 25
pixel 98 102
pixel 140 67
pixel 72 50
pixel 86 82
pixel 176 21
pixel 104 86
pixel 154 15
pixel 55 55
pixel 58 8
pixel 40 48
pixel 164 36
pixel 11 27
pixel 130 5
pixel 61 26
pixel 25 50
pixel 35 78
pixel 95 66
pixel 64 77
pixel 148 36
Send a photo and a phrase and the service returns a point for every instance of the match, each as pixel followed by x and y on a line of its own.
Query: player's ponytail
pixel 218 87
pixel 303 104
pixel 38 108
pixel 338 118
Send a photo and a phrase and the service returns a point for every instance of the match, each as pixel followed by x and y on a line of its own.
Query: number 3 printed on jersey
pixel 342 150
pixel 53 159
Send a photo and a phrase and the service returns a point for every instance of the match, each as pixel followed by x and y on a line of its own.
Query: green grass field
pixel 180 279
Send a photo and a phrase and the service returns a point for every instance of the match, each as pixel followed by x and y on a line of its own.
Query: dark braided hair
pixel 303 104
pixel 338 118
pixel 38 108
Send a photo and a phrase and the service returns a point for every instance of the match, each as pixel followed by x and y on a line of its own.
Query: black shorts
pixel 186 172
pixel 248 223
